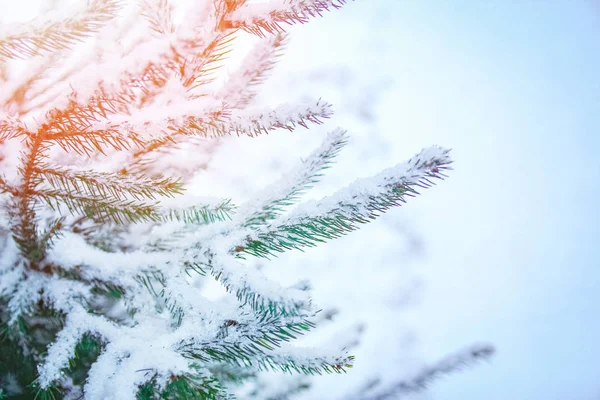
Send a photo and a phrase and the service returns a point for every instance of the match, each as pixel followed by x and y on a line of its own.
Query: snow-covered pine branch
pixel 205 214
pixel 427 375
pixel 102 265
pixel 159 15
pixel 54 32
pixel 155 126
pixel 253 289
pixel 292 185
pixel 107 185
pixel 254 122
pixel 11 128
pixel 361 202
pixel 239 89
pixel 268 18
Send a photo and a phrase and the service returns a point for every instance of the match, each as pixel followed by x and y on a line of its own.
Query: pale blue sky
pixel 514 88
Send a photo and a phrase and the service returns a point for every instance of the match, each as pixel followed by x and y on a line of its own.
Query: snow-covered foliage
pixel 102 258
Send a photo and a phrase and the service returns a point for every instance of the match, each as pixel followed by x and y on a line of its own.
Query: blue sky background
pixel 514 88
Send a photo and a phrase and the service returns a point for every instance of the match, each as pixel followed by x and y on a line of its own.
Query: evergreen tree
pixel 102 255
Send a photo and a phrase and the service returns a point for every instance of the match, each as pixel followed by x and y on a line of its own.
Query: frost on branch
pixel 269 17
pixel 315 222
pixel 54 32
pixel 375 390
pixel 239 88
pixel 102 263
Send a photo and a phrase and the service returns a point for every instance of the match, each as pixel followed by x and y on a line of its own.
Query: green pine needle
pixel 306 230
pixel 201 214
pixel 302 179
pixel 108 186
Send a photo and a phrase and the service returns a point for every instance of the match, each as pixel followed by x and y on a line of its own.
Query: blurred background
pixel 505 251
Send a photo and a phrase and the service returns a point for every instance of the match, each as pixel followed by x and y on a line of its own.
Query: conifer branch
pixel 21 93
pixel 149 147
pixel 93 118
pixel 206 214
pixel 79 128
pixel 52 232
pixel 269 17
pixel 158 13
pixel 104 185
pixel 87 141
pixel 284 304
pixel 223 122
pixel 11 128
pixel 188 387
pixel 23 211
pixel 199 69
pixel 189 59
pixel 252 123
pixel 226 7
pixel 43 35
pixel 6 188
pixel 422 380
pixel 97 235
pixel 250 288
pixel 359 203
pixel 90 142
pixel 113 210
pixel 85 300
pixel 239 90
pixel 238 342
pixel 242 342
pixel 290 187
pixel 23 299
pixel 294 362
pixel 78 324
